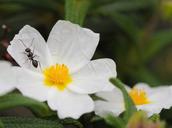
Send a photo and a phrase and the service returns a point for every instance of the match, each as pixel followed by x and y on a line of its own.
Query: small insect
pixel 31 55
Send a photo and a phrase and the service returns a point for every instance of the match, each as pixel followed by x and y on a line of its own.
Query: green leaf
pixel 125 22
pixel 38 4
pixel 72 122
pixel 96 118
pixel 129 104
pixel 155 117
pixel 14 100
pixel 76 10
pixel 144 74
pixel 157 42
pixel 23 122
pixel 131 5
pixel 1 124
pixel 116 122
pixel 95 97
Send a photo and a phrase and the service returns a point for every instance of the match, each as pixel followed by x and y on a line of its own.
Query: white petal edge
pixel 28 37
pixel 69 104
pixel 114 96
pixel 7 78
pixel 30 84
pixel 113 103
pixel 94 77
pixel 158 96
pixel 71 44
pixel 103 108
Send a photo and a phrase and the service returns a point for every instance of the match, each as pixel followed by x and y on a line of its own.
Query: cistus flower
pixel 61 71
pixel 7 78
pixel 151 100
pixel 140 120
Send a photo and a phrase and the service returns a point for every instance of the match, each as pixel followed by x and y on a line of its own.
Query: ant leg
pixel 40 66
pixel 25 61
pixel 30 64
pixel 34 52
pixel 35 56
pixel 24 54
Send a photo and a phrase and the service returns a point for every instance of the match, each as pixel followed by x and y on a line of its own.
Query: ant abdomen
pixel 35 63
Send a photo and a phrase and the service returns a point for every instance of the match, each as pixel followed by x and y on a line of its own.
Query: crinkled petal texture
pixel 72 45
pixel 159 98
pixel 69 104
pixel 29 37
pixel 31 84
pixel 112 103
pixel 94 77
pixel 7 78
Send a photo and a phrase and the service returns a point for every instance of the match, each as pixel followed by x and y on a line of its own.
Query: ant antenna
pixel 23 43
pixel 39 65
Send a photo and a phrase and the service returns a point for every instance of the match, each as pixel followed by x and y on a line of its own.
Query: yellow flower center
pixel 58 76
pixel 139 96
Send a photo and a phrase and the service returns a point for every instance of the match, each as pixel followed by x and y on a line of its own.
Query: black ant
pixel 30 55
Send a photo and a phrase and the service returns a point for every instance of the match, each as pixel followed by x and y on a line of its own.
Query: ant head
pixel 27 50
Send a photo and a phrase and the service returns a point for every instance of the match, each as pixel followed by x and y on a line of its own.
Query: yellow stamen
pixel 139 96
pixel 58 76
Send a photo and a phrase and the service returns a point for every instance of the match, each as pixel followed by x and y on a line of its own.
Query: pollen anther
pixel 58 76
pixel 139 96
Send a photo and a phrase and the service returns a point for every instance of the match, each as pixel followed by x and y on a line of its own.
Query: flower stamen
pixel 139 96
pixel 57 75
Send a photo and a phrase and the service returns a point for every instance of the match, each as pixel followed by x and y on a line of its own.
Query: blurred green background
pixel 137 34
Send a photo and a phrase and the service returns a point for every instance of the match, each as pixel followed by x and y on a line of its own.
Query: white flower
pixel 151 100
pixel 7 78
pixel 60 71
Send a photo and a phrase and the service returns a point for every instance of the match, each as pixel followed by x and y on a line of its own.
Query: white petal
pixel 150 109
pixel 29 37
pixel 94 77
pixel 7 78
pixel 69 104
pixel 159 98
pixel 72 45
pixel 103 108
pixel 31 84
pixel 114 96
pixel 145 87
pixel 113 103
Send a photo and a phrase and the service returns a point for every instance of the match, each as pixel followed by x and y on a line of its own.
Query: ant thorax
pixel 30 55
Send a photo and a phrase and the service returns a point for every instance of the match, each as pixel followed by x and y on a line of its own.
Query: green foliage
pixel 115 122
pixel 155 117
pixel 1 124
pixel 129 105
pixel 76 10
pixel 23 122
pixel 70 121
pixel 50 6
pixel 15 100
pixel 122 5
pixel 157 41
